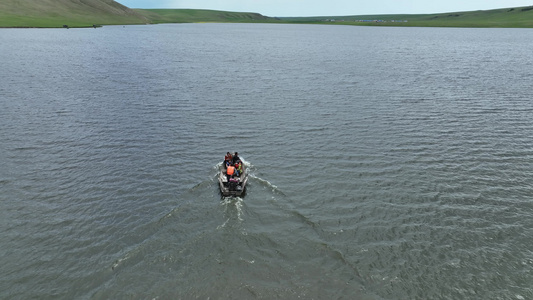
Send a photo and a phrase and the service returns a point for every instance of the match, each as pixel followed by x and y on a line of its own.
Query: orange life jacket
pixel 231 170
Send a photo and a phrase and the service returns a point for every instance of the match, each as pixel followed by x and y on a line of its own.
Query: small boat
pixel 232 185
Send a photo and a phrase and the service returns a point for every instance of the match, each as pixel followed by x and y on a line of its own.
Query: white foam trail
pixel 238 201
pixel 223 225
pixel 238 205
pixel 267 183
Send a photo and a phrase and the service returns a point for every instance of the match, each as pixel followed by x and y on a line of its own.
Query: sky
pixel 302 8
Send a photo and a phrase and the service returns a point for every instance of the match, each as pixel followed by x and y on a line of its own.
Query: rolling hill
pixel 508 17
pixel 85 13
pixel 200 15
pixel 74 13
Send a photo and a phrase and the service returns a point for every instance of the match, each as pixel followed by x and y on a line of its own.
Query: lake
pixel 386 163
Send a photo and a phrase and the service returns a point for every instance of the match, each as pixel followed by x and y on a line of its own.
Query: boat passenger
pixel 236 158
pixel 230 172
pixel 238 168
pixel 228 159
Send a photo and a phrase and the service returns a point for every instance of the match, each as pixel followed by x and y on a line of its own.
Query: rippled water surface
pixel 386 163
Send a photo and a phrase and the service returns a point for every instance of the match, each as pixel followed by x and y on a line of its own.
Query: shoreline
pixel 518 17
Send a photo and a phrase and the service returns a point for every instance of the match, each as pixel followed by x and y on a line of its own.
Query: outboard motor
pixel 233 184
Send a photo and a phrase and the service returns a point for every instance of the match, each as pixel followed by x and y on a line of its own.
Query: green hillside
pixel 74 13
pixel 199 15
pixel 508 17
pixel 84 13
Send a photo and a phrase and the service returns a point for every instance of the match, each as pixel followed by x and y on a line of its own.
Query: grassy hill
pixel 509 17
pixel 74 13
pixel 199 15
pixel 84 13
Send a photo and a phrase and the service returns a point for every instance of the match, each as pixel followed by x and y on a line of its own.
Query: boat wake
pixel 265 226
pixel 267 184
pixel 230 203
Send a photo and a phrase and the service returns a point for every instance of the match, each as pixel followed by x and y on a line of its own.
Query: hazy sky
pixel 297 8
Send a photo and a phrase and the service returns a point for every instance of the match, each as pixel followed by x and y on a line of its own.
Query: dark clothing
pixel 235 159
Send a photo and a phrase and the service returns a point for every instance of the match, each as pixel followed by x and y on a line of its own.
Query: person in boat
pixel 230 171
pixel 228 159
pixel 238 168
pixel 236 158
